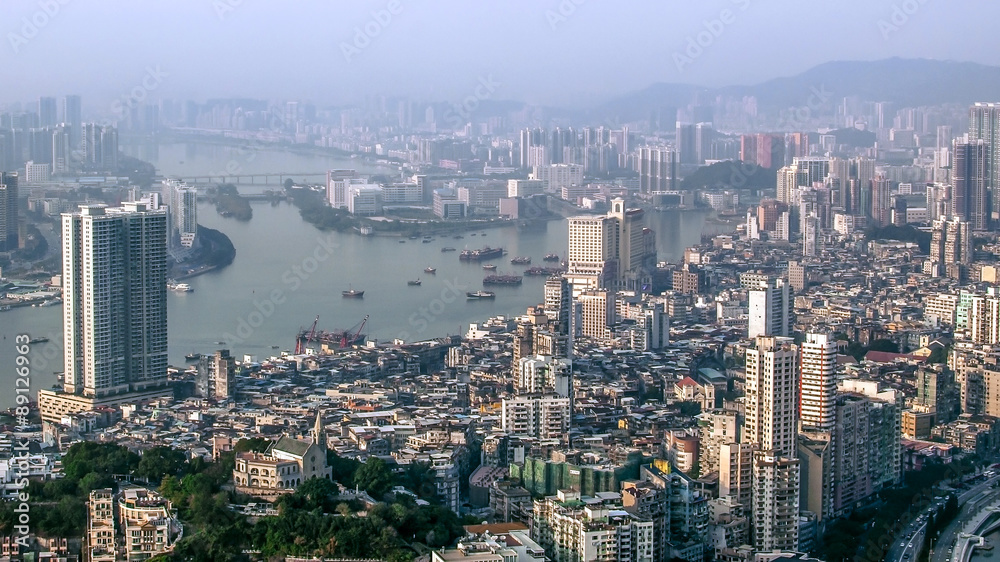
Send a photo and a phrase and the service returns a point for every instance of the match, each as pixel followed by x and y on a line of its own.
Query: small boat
pixel 458 236
pixel 352 294
pixel 482 234
pixel 51 302
pixel 520 260
pixel 430 270
pixel 181 288
pixel 473 234
pixel 38 340
pixel 402 241
pixel 551 257
pixel 475 295
pixel 220 343
pixel 490 267
pixel 414 283
pixel 192 356
pixel 427 241
pixel 448 249
pixel 275 346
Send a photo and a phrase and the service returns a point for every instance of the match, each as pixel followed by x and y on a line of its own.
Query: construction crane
pixel 300 343
pixel 351 335
pixel 330 339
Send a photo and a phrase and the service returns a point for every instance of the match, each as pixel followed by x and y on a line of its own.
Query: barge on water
pixel 486 253
pixel 502 280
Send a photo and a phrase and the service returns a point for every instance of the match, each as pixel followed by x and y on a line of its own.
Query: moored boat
pixel 474 295
pixel 430 270
pixel 352 294
pixel 485 253
pixel 414 282
pixel 502 280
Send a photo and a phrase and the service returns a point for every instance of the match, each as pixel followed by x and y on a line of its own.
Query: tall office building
pixel 337 184
pixel 100 144
pixel 47 113
pixel 62 149
pixel 529 139
pixel 770 309
pixel 684 140
pixel 72 116
pixel 775 513
pixel 704 135
pixel 558 296
pixel 114 308
pixel 788 180
pixel 109 149
pixel 8 212
pixel 764 150
pixel 182 208
pixel 881 201
pixel 971 179
pixel 811 240
pixel 984 319
pixel 543 373
pixel 772 374
pixel 951 244
pixel 818 382
pixel 984 125
pixel 770 427
pixel 611 251
pixel 537 415
pixel 657 169
pixel 216 377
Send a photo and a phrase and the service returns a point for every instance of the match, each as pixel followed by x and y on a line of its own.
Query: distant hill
pixel 854 137
pixel 902 82
pixel 731 174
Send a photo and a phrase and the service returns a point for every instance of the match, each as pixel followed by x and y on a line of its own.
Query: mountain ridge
pixel 900 81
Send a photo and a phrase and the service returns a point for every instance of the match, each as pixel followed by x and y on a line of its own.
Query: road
pixel 909 540
pixel 972 500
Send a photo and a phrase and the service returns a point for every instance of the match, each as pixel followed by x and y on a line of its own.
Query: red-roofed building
pixel 889 357
pixel 686 388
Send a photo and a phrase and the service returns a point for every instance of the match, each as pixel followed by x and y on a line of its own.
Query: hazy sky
pixel 541 51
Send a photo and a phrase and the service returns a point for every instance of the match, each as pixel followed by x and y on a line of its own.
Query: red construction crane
pixel 352 334
pixel 300 344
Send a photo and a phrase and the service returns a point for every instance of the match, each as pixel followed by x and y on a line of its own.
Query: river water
pixel 286 272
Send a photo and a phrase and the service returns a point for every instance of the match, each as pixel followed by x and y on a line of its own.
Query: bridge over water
pixel 273 178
